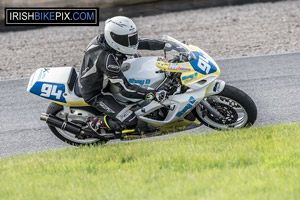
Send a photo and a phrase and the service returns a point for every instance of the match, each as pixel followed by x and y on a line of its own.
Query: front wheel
pixel 237 108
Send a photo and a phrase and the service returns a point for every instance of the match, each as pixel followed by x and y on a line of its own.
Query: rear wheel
pixel 77 116
pixel 236 106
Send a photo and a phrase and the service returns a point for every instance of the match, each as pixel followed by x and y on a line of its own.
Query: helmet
pixel 120 34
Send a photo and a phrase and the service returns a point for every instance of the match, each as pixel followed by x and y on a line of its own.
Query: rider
pixel 102 65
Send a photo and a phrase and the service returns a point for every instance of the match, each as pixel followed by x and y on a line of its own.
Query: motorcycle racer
pixel 102 65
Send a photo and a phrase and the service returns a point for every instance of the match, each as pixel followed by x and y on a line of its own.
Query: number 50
pixel 48 89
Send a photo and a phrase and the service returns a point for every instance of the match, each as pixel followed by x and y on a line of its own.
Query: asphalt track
pixel 271 81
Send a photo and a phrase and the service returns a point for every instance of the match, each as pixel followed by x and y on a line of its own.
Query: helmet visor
pixel 125 40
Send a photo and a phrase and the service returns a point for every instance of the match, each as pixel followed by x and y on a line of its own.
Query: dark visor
pixel 125 40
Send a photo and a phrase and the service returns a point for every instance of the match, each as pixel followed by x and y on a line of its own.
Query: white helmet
pixel 120 33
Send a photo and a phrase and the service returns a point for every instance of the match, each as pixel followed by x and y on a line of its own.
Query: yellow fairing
pixel 73 104
pixel 188 74
pixel 175 67
pixel 193 76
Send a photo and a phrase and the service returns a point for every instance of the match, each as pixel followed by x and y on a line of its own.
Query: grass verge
pixel 256 163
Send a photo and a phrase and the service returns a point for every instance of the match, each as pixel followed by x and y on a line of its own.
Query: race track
pixel 272 82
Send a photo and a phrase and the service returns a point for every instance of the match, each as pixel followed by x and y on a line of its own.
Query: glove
pixel 161 96
pixel 150 96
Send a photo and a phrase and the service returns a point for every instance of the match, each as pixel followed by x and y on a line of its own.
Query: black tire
pixel 240 97
pixel 54 109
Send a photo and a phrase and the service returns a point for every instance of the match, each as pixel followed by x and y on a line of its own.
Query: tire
pixel 79 115
pixel 237 107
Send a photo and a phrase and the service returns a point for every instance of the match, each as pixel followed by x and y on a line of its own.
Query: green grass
pixel 257 163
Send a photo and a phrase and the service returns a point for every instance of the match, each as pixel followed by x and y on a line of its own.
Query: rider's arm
pixel 116 77
pixel 150 44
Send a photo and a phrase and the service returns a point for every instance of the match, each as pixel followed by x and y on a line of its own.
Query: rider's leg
pixel 118 117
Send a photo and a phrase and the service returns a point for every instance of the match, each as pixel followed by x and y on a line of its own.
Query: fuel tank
pixel 141 71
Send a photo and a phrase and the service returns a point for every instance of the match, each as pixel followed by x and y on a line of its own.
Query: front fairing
pixel 194 70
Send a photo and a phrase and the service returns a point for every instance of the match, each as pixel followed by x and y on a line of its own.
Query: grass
pixel 256 163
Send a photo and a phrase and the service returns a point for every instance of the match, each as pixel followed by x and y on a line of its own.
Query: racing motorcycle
pixel 195 96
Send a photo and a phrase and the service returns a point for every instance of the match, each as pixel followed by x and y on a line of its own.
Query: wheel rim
pixel 235 114
pixel 78 117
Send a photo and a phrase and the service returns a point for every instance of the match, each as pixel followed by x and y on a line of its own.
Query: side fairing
pixel 54 85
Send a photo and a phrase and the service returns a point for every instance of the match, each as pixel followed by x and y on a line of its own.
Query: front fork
pixel 215 88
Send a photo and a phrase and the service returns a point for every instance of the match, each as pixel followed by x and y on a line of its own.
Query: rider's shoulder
pixel 95 44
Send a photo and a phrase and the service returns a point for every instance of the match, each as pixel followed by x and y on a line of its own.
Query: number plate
pixel 202 64
pixel 53 91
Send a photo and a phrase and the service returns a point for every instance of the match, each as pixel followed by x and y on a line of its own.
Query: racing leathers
pixel 101 66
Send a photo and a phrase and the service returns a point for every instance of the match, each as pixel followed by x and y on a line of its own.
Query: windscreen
pixel 177 46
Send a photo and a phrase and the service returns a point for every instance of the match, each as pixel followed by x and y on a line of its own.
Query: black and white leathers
pixel 101 65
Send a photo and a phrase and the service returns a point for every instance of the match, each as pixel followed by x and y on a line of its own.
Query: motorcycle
pixel 195 96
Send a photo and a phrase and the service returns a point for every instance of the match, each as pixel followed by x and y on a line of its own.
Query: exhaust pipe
pixel 73 128
pixel 59 123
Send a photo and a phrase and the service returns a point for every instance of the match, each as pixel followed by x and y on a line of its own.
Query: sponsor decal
pixel 123 114
pixel 43 73
pixel 173 66
pixel 113 68
pixel 184 65
pixel 117 23
pixel 187 107
pixel 105 107
pixel 140 82
pixel 189 78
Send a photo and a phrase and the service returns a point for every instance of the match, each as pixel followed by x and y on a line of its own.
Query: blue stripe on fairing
pixel 194 64
pixel 37 87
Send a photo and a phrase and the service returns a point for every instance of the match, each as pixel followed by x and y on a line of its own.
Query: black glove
pixel 150 96
pixel 161 96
